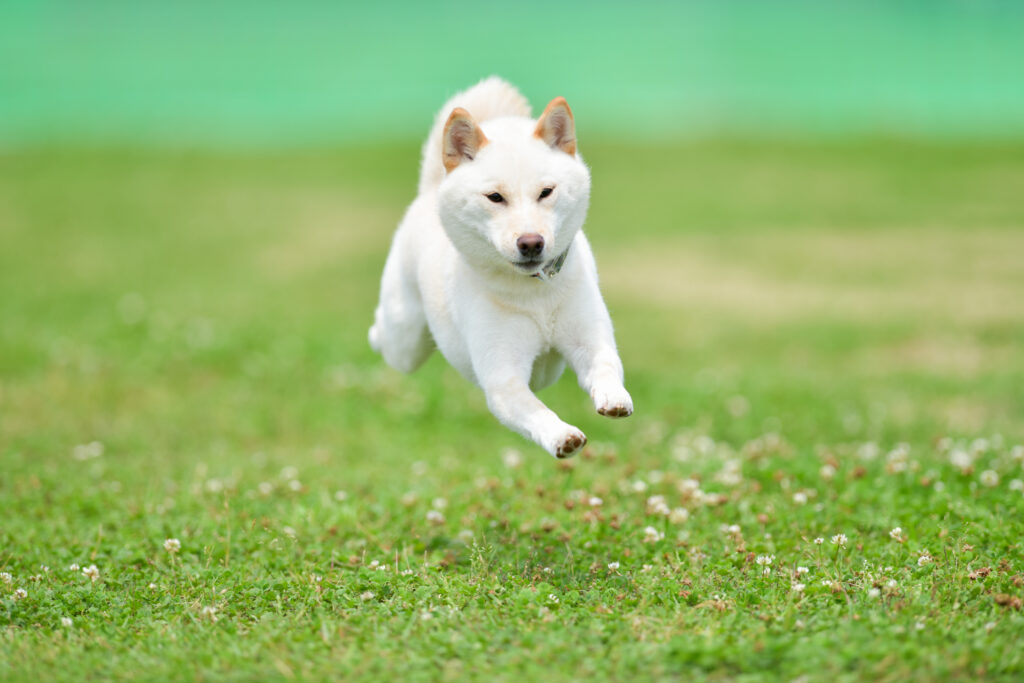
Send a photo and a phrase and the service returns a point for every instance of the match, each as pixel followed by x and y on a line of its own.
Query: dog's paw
pixel 614 402
pixel 568 444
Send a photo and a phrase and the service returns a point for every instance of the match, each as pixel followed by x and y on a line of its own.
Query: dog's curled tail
pixel 491 98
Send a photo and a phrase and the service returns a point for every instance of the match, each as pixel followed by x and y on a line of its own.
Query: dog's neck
pixel 553 267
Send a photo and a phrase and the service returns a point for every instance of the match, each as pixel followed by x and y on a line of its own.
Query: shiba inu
pixel 490 265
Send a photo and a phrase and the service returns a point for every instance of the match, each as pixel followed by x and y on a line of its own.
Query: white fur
pixel 451 279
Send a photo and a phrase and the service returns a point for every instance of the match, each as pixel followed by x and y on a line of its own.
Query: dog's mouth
pixel 530 266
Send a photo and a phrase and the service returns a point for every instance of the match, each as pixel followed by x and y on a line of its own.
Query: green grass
pixel 788 314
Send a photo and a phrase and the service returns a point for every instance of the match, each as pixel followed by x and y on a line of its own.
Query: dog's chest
pixel 542 311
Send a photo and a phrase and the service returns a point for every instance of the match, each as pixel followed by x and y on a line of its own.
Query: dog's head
pixel 516 192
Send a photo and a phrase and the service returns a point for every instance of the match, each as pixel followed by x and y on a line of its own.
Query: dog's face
pixel 516 193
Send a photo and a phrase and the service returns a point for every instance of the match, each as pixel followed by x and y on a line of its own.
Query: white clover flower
pixel 548 570
pixel 924 559
pixel 1017 453
pixel 874 593
pixel 819 540
pixel 172 545
pixel 66 622
pixel 639 485
pixel 20 594
pixel 990 478
pixel 87 451
pixel 764 560
pixel 896 534
pixel 511 458
pixel 465 536
pixel 340 496
pixel 961 459
pixel 801 570
pixel 73 568
pixel 439 503
pixel 652 535
pixel 827 583
pixel 646 568
pixel 295 485
pixel 733 529
pixel 552 598
pixel 289 472
pixel 6 577
pixel 92 572
pixel 289 531
pixel 891 586
pixel 839 540
pixel 868 451
pixel 1016 485
pixel 435 517
pixel 800 498
pixel 594 502
pixel 798 587
pixel 766 571
pixel 827 472
pixel 613 566
pixel 210 613
pixel 408 572
pixel 265 488
pixel 688 485
pixel 679 515
pixel 656 505
pixel 367 595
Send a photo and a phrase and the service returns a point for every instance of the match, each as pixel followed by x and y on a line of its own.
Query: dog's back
pixel 491 98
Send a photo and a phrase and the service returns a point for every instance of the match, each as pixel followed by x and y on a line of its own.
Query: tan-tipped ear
pixel 462 139
pixel 556 126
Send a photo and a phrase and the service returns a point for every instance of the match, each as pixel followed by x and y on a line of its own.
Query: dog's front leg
pixel 589 347
pixel 503 363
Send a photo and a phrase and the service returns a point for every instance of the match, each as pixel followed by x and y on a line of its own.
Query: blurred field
pixel 203 316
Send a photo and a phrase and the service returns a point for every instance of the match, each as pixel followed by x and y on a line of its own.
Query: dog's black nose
pixel 530 245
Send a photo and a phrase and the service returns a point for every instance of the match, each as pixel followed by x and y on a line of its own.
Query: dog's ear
pixel 556 126
pixel 462 139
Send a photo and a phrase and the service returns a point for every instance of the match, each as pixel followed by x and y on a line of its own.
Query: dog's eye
pixel 546 192
pixel 496 198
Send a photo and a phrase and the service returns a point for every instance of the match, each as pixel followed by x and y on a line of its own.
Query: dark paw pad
pixel 571 445
pixel 616 411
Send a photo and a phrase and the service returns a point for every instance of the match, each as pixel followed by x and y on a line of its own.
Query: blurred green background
pixel 807 219
pixel 265 73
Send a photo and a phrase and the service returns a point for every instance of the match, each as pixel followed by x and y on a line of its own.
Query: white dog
pixel 490 264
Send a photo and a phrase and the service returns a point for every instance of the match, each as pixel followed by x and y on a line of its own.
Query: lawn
pixel 205 472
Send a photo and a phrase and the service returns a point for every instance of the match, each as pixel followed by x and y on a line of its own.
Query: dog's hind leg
pixel 399 331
